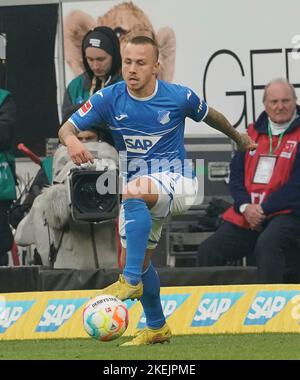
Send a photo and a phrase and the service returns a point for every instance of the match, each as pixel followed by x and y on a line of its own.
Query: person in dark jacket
pixel 102 61
pixel 264 220
pixel 7 125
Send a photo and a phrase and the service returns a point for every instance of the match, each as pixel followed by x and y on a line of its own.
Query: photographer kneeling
pixel 50 226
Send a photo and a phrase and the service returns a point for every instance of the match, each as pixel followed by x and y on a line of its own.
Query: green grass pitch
pixel 273 346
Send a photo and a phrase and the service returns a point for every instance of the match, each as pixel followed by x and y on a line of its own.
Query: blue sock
pixel 138 224
pixel 151 299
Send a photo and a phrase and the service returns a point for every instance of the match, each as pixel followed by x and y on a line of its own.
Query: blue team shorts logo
pixel 163 117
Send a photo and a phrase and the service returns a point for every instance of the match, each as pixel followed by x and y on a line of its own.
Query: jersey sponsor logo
pixel 140 144
pixel 85 108
pixel 163 117
pixel 213 306
pixel 11 312
pixel 121 117
pixel 266 305
pixel 57 312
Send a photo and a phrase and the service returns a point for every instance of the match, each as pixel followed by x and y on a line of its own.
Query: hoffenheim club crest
pixel 163 117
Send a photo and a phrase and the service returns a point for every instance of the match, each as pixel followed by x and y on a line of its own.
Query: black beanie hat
pixel 102 37
pixel 98 39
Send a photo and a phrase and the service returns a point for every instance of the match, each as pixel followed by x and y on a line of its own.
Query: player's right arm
pixel 89 115
pixel 77 151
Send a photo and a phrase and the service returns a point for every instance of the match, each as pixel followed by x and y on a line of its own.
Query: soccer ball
pixel 105 317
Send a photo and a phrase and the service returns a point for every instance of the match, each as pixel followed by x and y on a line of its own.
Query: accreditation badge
pixel 264 169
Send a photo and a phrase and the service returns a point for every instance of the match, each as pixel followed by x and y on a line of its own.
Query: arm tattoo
pixel 218 121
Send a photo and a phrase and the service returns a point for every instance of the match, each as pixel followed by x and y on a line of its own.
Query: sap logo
pixel 266 305
pixel 169 304
pixel 143 145
pixel 2 302
pixel 295 313
pixel 57 312
pixel 130 303
pixel 11 312
pixel 212 306
pixel 140 144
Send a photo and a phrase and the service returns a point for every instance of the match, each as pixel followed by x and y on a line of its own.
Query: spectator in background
pixel 7 171
pixel 265 185
pixel 102 62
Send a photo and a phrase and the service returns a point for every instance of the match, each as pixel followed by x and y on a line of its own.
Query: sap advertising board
pixel 225 50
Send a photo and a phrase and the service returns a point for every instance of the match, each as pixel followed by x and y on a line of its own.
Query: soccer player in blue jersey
pixel 146 118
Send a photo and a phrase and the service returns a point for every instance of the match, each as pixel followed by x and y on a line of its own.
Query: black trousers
pixel 273 249
pixel 6 236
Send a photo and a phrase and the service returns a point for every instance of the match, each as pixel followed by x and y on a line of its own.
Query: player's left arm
pixel 198 110
pixel 218 121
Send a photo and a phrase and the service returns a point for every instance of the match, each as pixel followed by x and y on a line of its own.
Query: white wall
pixel 203 27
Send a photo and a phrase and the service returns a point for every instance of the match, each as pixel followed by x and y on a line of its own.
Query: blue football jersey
pixel 148 132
